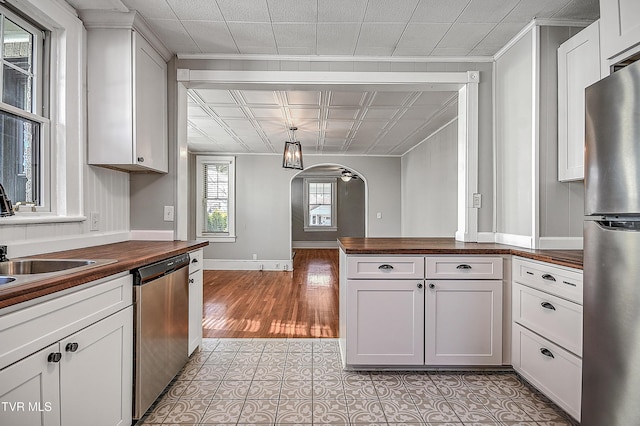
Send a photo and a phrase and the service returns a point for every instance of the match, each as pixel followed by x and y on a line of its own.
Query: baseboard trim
pixel 314 244
pixel 151 235
pixel 524 241
pixel 486 237
pixel 560 243
pixel 247 265
pixel 40 246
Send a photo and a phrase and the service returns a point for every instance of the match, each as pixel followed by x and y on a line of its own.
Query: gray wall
pixel 263 206
pixel 350 211
pixel 485 102
pixel 430 186
pixel 561 203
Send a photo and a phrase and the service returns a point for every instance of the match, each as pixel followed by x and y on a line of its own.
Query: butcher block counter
pixel 426 246
pixel 128 255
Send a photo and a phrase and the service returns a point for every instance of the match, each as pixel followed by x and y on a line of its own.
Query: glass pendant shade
pixel 292 157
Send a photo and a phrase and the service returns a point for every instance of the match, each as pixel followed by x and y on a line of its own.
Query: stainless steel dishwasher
pixel 161 325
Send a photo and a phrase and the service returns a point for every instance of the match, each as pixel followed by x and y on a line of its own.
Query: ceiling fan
pixel 347 175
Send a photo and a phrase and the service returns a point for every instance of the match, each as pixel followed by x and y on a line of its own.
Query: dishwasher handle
pixel 157 270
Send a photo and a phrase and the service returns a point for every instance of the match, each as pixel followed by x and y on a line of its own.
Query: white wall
pixel 78 188
pixel 263 206
pixel 430 186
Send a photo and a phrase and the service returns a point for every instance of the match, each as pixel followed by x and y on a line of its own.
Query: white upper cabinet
pixel 619 26
pixel 578 67
pixel 127 101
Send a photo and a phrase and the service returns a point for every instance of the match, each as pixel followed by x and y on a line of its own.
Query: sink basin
pixel 41 266
pixel 6 280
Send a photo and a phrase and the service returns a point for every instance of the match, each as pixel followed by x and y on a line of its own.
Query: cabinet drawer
pixel 195 262
pixel 476 267
pixel 34 327
pixel 562 282
pixel 552 317
pixel 556 372
pixel 385 267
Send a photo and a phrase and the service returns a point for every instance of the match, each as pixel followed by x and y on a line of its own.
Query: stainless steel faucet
pixel 6 209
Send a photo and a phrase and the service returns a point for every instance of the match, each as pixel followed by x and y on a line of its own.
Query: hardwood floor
pixel 302 303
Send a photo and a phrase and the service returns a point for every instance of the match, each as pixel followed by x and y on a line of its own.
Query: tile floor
pixel 301 382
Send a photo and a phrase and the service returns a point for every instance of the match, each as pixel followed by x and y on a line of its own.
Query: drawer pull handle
pixel 546 352
pixel 568 283
pixel 194 260
pixel 71 347
pixel 548 277
pixel 54 357
pixel 548 305
pixel 463 266
pixel 529 273
pixel 385 267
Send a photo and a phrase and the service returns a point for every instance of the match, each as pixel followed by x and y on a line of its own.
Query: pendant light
pixel 292 156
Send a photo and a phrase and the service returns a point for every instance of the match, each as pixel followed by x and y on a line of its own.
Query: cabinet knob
pixel 140 159
pixel 546 352
pixel 385 267
pixel 420 285
pixel 71 347
pixel 548 277
pixel 54 357
pixel 191 280
pixel 432 285
pixel 548 305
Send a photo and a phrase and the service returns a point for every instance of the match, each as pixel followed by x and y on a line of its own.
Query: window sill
pixel 228 239
pixel 28 218
pixel 321 229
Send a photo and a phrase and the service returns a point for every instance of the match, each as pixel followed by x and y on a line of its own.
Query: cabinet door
pixel 29 393
pixel 620 26
pixel 96 375
pixel 385 322
pixel 463 322
pixel 150 113
pixel 578 67
pixel 195 310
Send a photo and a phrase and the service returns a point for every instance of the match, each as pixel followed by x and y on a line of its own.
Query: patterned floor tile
pixel 265 389
pixel 360 390
pixel 296 389
pixel 158 412
pixel 471 411
pixel 366 411
pixel 436 410
pixel 507 410
pixel 187 411
pixel 223 411
pixel 176 389
pixel 259 411
pixel 297 411
pixel 328 390
pixel 232 390
pixel 221 358
pixel 247 358
pixel 330 412
pixel 269 372
pixel 298 372
pixel 201 389
pixel 400 412
pixel 542 412
pixel 210 372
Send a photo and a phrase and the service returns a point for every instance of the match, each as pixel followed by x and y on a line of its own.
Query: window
pixel 320 205
pixel 216 196
pixel 23 128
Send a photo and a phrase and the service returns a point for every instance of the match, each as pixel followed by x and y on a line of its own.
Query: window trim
pixel 201 160
pixel 38 108
pixel 334 205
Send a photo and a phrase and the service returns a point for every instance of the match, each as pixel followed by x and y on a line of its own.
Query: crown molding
pixel 330 58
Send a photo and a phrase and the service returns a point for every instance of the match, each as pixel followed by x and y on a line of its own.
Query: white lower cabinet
pixel 195 300
pixel 385 322
pixel 547 330
pixel 83 375
pixel 553 370
pixel 463 322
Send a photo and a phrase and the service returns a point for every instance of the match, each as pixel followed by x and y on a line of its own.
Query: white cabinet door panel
pixel 385 322
pixel 29 391
pixel 463 322
pixel 620 22
pixel 195 310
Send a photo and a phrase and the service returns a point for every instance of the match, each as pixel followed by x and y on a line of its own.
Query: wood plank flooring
pixel 302 303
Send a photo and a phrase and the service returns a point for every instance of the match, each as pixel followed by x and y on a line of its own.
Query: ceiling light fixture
pixel 292 156
pixel 347 175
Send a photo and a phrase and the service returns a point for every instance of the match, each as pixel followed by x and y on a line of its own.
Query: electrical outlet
pixel 255 256
pixel 168 213
pixel 94 218
pixel 379 215
pixel 477 200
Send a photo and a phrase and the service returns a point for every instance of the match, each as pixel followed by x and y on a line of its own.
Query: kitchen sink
pixel 22 271
pixel 40 266
pixel 6 280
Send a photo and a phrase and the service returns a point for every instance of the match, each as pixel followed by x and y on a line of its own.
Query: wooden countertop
pixel 129 255
pixel 350 245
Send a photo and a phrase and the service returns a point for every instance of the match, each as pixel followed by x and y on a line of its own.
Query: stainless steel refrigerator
pixel 611 352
